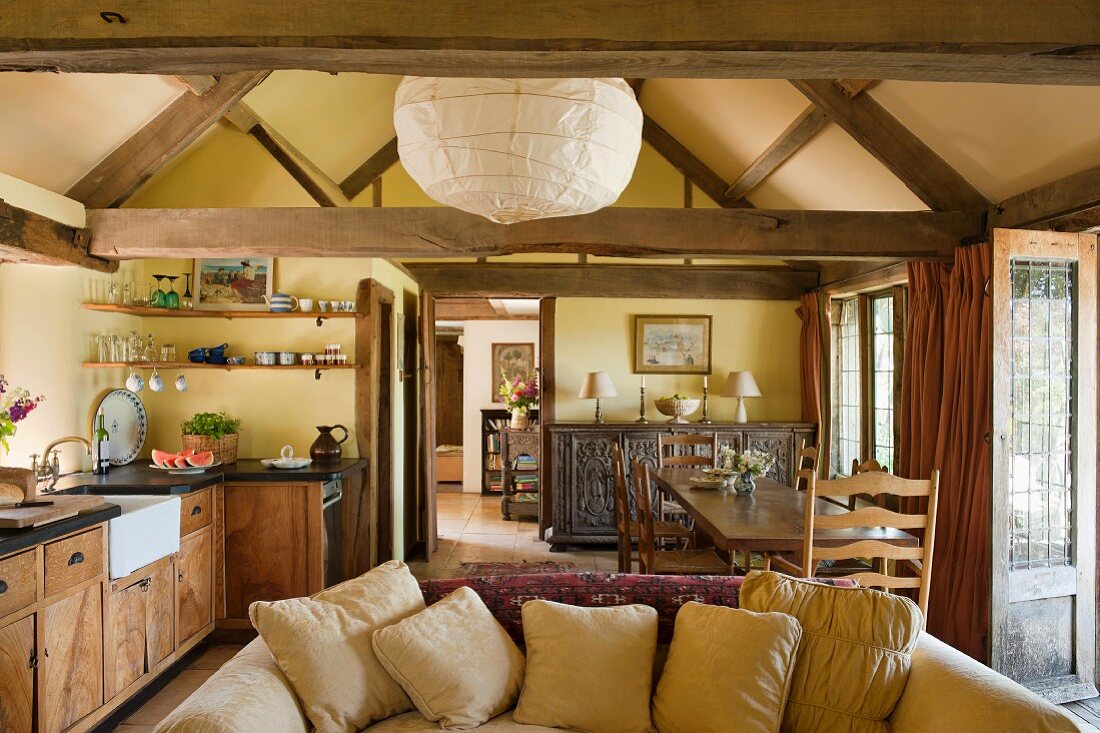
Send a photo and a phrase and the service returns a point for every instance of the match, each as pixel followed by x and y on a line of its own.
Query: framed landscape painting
pixel 512 359
pixel 672 344
pixel 233 283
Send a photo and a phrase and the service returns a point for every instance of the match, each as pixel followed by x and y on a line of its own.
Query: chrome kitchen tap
pixel 50 470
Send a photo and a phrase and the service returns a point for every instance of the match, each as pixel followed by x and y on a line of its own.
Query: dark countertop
pixel 139 478
pixel 13 540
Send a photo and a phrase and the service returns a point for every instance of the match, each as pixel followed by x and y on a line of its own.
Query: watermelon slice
pixel 179 461
pixel 185 453
pixel 201 459
pixel 161 458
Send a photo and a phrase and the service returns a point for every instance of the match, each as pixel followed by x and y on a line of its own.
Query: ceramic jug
pixel 281 303
pixel 326 447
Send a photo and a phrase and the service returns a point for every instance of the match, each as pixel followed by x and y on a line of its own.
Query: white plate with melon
pixel 187 461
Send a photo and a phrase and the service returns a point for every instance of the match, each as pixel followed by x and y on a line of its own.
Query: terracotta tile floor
pixel 470 530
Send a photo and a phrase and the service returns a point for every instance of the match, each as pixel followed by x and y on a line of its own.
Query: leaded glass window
pixel 882 369
pixel 848 386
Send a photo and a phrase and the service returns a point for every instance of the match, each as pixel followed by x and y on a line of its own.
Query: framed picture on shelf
pixel 233 283
pixel 512 360
pixel 672 344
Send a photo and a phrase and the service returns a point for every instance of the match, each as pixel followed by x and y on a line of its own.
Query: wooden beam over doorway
pixel 919 167
pixel 35 239
pixel 1053 42
pixel 1059 199
pixel 472 309
pixel 134 162
pixel 612 281
pixel 443 232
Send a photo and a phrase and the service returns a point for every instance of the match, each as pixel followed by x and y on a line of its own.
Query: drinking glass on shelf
pixel 159 297
pixel 118 348
pixel 168 352
pixel 150 348
pixel 134 347
pixel 113 293
pixel 172 298
pixel 103 347
pixel 188 301
pixel 139 294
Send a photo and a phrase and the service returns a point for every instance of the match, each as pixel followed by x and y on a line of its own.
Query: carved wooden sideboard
pixel 578 469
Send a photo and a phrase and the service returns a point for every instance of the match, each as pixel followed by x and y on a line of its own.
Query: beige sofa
pixel 947 691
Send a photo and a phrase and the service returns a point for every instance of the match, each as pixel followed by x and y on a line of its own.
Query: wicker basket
pixel 224 449
pixel 676 409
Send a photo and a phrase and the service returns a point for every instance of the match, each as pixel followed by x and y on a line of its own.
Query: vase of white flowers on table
pixel 746 466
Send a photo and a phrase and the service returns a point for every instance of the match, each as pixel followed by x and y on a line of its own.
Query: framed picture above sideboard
pixel 672 344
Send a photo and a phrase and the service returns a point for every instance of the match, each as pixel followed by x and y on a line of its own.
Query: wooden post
pixel 547 408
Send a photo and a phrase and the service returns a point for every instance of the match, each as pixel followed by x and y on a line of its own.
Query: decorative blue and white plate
pixel 126 422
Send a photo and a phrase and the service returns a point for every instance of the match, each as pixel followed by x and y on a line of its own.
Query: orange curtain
pixel 811 359
pixel 946 419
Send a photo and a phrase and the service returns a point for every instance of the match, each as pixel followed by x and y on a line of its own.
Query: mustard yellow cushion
pixel 588 668
pixel 728 670
pixel 454 660
pixel 323 646
pixel 855 654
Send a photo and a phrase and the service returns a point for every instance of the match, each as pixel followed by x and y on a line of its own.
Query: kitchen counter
pixel 139 478
pixel 13 540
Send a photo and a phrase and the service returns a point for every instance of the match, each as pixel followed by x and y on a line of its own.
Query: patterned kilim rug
pixel 492 569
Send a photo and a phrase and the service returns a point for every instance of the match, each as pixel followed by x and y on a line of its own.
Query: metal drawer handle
pixel 196 511
pixel 180 576
pixel 77 558
pixel 33 661
pixel 3 587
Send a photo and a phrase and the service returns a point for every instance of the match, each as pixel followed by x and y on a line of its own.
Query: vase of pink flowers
pixel 15 404
pixel 520 395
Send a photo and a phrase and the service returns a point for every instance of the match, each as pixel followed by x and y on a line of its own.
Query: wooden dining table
pixel 771 519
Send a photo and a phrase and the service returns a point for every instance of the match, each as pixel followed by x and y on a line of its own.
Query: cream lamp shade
pixel 518 149
pixel 595 386
pixel 741 385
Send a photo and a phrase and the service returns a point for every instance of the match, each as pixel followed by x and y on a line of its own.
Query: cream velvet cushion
pixel 323 646
pixel 454 660
pixel 856 650
pixel 728 671
pixel 588 668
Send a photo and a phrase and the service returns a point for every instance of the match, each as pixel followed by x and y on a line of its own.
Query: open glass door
pixel 1044 478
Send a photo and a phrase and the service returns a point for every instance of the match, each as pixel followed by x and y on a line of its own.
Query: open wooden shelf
pixel 135 310
pixel 191 365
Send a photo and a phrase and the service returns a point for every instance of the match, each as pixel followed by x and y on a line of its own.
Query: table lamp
pixel 595 386
pixel 741 385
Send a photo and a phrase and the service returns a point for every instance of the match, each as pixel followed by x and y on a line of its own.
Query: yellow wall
pixel 597 334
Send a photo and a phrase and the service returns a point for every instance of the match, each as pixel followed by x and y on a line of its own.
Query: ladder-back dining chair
pixel 805 460
pixel 654 561
pixel 867 466
pixel 916 560
pixel 627 529
pixel 683 451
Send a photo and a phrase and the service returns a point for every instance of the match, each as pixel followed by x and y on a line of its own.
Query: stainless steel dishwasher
pixel 331 494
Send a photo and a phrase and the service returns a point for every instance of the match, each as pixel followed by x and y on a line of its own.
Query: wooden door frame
pixel 1081 248
pixel 365 497
pixel 429 527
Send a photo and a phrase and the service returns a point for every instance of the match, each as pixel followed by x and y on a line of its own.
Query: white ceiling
pixel 1002 138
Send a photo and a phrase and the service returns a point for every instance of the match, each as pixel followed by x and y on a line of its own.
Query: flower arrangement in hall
pixel 519 394
pixel 15 404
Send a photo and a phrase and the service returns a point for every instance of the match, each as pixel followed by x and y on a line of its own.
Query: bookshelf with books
pixel 520 477
pixel 494 421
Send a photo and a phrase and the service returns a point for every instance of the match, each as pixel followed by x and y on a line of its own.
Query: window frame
pixel 864 312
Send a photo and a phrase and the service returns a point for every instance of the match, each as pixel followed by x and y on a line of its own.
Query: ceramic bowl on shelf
pixel 266 358
pixel 196 356
pixel 235 360
pixel 288 358
pixel 676 408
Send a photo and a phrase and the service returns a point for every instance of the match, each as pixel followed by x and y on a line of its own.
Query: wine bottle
pixel 101 446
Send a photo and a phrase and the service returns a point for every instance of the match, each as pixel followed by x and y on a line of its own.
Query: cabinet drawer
pixel 74 560
pixel 18 582
pixel 195 511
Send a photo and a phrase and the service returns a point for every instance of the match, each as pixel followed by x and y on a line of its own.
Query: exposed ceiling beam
pixel 35 239
pixel 445 232
pixel 798 133
pixel 131 164
pixel 925 173
pixel 1052 42
pixel 371 170
pixel 312 179
pixel 612 281
pixel 685 161
pixel 197 84
pixel 1082 221
pixel 473 309
pixel 1062 198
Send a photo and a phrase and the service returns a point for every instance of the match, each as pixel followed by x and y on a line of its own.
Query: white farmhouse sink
pixel 148 530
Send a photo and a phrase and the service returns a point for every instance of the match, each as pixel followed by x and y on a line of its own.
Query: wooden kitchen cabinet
pixel 71 661
pixel 17 665
pixel 194 585
pixel 273 544
pixel 140 610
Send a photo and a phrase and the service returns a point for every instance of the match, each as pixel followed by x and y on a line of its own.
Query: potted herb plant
pixel 212 431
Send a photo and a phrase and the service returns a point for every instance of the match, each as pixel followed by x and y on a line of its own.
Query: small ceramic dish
pixel 266 358
pixel 235 360
pixel 702 482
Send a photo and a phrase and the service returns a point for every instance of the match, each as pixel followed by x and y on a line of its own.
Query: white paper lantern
pixel 518 149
